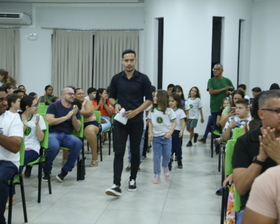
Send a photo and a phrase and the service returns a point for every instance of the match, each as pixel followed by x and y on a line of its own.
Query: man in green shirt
pixel 218 87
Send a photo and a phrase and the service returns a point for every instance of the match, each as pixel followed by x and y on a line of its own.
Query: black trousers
pixel 120 133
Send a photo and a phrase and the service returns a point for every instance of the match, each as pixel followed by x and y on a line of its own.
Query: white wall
pixel 35 56
pixel 188 41
pixel 265 45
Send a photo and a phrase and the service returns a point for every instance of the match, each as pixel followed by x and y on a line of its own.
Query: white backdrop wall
pixel 265 45
pixel 188 42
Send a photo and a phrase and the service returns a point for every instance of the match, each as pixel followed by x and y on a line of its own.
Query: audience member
pixel 19 92
pixel 256 91
pixel 22 88
pixel 243 88
pixel 91 126
pixel 34 95
pixel 129 87
pixel 48 97
pixel 55 99
pixel 63 117
pixel 11 133
pixel 274 86
pixel 170 88
pixel 13 102
pixel 257 150
pixel 9 87
pixel 5 78
pixel 91 94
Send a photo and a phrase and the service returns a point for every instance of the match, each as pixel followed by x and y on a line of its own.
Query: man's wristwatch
pixel 255 160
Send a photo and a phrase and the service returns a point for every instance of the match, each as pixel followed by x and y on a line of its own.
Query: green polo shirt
pixel 217 99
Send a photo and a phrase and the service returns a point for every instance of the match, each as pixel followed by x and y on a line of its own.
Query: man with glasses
pixel 258 149
pixel 63 117
pixel 11 133
pixel 219 88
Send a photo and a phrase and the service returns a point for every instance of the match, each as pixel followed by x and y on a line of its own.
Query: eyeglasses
pixel 216 69
pixel 273 110
pixel 70 94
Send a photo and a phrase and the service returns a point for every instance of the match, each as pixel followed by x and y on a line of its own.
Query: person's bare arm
pixel 150 130
pixel 88 111
pixel 226 134
pixel 168 135
pixel 108 109
pixel 75 122
pixel 132 113
pixel 217 91
pixel 12 143
pixel 40 134
pixel 251 217
pixel 224 118
pixel 55 121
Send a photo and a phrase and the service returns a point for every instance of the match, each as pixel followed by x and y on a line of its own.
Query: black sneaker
pixel 45 177
pixel 114 191
pixel 27 172
pixel 132 185
pixel 189 144
pixel 180 165
pixel 128 168
pixel 195 137
pixel 61 175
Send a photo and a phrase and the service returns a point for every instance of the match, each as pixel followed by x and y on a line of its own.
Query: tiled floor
pixel 188 196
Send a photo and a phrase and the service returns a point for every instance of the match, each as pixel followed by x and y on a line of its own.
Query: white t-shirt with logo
pixel 161 122
pixel 30 135
pixel 195 105
pixel 180 114
pixel 10 125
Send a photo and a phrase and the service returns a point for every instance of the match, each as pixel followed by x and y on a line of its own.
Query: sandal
pixel 94 163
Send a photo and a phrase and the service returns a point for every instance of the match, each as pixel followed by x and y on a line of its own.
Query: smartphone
pixel 233 109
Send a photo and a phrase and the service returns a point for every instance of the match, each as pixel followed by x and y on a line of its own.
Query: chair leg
pixel 39 180
pixel 101 155
pixel 10 201
pixel 219 160
pixel 109 133
pixel 23 198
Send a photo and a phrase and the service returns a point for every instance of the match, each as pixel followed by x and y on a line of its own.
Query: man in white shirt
pixel 11 132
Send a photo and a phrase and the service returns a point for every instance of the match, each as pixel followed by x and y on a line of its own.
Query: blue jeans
pixel 8 170
pixel 106 125
pixel 120 134
pixel 239 217
pixel 141 148
pixel 177 144
pixel 161 147
pixel 57 140
pixel 30 156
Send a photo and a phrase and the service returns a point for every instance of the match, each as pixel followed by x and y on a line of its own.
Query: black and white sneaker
pixel 132 185
pixel 27 172
pixel 114 191
pixel 61 175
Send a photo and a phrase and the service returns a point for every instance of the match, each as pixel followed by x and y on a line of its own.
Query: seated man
pixel 252 157
pixel 11 133
pixel 62 117
pixel 263 205
pixel 238 120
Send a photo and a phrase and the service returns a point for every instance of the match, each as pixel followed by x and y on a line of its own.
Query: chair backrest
pixel 45 143
pixel 80 133
pixel 237 132
pixel 21 153
pixel 42 110
pixel 98 116
pixel 229 152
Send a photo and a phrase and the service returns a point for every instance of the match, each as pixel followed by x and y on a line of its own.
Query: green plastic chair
pixel 18 179
pixel 237 132
pixel 80 162
pixel 99 137
pixel 42 110
pixel 42 159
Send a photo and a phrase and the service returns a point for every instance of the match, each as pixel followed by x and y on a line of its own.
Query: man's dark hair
pixel 90 90
pixel 274 86
pixel 2 89
pixel 12 98
pixel 256 89
pixel 170 86
pixel 18 91
pixel 243 101
pixel 242 86
pixel 46 87
pixel 128 51
pixel 33 94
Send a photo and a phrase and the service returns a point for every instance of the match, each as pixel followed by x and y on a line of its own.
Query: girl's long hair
pixel 176 97
pixel 162 100
pixel 197 92
pixel 177 87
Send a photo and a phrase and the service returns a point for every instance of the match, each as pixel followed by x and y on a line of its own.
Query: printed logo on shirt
pixel 191 106
pixel 159 120
pixel 27 131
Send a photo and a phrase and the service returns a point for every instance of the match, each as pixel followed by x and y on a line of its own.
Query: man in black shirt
pixel 258 149
pixel 128 88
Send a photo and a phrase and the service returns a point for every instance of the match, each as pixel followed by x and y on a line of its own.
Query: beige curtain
pixel 9 51
pixel 72 59
pixel 108 48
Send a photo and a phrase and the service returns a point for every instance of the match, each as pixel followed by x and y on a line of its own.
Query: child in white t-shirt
pixel 162 122
pixel 195 109
pixel 33 128
pixel 177 136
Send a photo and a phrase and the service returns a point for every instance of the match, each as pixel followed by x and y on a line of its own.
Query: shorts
pixel 95 123
pixel 192 123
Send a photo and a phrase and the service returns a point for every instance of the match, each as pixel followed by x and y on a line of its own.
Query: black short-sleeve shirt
pixel 130 93
pixel 246 148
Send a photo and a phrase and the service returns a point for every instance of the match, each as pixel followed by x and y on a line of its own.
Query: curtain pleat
pixel 9 51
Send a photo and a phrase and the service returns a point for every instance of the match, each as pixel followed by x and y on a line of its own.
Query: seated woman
pixel 47 98
pixel 103 105
pixel 9 87
pixel 91 127
pixel 33 128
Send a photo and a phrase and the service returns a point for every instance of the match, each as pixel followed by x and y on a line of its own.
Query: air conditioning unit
pixel 14 18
